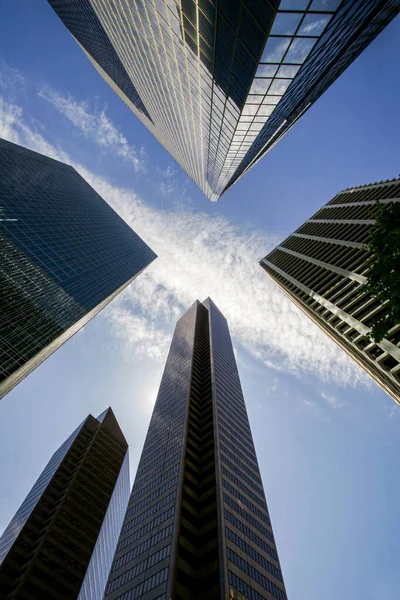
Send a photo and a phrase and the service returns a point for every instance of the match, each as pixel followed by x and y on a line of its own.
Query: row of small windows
pixel 154 495
pixel 351 212
pixel 156 451
pixel 239 484
pixel 240 464
pixel 350 232
pixel 162 453
pixel 227 400
pixel 152 560
pixel 159 479
pixel 147 513
pixel 164 425
pixel 240 473
pixel 243 453
pixel 368 194
pixel 246 516
pixel 248 532
pixel 337 255
pixel 155 471
pixel 146 586
pixel 243 433
pixel 138 550
pixel 231 432
pixel 238 584
pixel 229 406
pixel 249 550
pixel 255 575
pixel 146 528
pixel 261 515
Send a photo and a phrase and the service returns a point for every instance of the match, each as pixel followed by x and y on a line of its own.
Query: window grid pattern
pixel 229 400
pixel 216 82
pixel 64 253
pixel 330 36
pixel 165 439
pixel 200 392
pixel 337 302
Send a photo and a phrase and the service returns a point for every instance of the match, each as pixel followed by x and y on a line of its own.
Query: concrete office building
pixel 322 267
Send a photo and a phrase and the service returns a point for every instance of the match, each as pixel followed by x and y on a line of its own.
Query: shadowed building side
pixel 61 541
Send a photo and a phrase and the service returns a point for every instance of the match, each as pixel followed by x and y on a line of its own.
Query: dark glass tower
pixel 323 267
pixel 219 82
pixel 197 525
pixel 64 255
pixel 61 541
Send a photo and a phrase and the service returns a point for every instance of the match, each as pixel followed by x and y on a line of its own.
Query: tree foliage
pixel 384 276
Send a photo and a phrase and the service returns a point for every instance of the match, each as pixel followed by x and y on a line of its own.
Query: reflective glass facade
pixel 61 541
pixel 197 525
pixel 64 255
pixel 323 266
pixel 222 81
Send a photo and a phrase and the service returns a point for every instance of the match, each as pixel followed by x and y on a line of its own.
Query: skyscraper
pixel 218 83
pixel 197 525
pixel 322 267
pixel 64 255
pixel 61 541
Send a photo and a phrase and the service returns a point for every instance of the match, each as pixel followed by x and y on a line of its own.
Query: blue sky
pixel 327 438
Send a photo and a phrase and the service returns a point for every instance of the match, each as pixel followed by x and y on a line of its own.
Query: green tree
pixel 384 276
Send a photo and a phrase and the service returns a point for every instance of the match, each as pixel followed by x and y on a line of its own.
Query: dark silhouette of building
pixel 61 541
pixel 197 524
pixel 64 255
pixel 323 267
pixel 218 83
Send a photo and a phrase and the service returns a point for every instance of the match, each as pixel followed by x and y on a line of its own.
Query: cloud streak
pixel 95 126
pixel 199 256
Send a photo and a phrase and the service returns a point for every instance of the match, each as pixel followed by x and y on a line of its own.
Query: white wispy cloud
pixel 199 256
pixel 12 81
pixel 94 124
pixel 332 401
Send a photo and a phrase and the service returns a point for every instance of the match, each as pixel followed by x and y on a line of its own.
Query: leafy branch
pixel 384 275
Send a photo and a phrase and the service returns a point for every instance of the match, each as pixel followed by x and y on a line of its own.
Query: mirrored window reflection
pixel 288 71
pixel 293 5
pixel 275 49
pixel 266 70
pixel 299 49
pixel 314 24
pixel 327 5
pixel 286 23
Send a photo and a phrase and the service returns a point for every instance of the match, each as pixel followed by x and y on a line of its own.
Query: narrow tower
pixel 197 524
pixel 323 267
pixel 61 541
pixel 64 255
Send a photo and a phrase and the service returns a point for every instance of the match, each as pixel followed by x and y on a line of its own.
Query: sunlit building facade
pixel 218 83
pixel 64 255
pixel 61 541
pixel 323 267
pixel 197 525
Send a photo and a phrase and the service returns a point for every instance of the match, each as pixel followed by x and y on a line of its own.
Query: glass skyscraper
pixel 219 82
pixel 323 266
pixel 61 541
pixel 64 255
pixel 197 525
